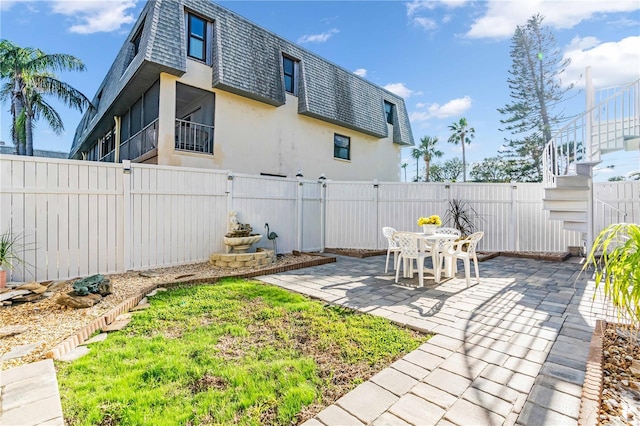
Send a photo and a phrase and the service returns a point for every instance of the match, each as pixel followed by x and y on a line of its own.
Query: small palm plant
pixel 462 216
pixel 615 255
pixel 9 254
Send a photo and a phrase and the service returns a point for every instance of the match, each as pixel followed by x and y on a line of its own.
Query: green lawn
pixel 235 352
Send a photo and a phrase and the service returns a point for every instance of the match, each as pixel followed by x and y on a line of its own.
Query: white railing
pixel 194 137
pixel 600 129
pixel 140 143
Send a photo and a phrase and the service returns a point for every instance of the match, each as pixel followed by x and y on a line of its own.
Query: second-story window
pixel 290 67
pixel 197 37
pixel 388 111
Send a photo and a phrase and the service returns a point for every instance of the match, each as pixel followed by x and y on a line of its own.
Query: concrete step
pixel 572 181
pixel 574 226
pixel 565 205
pixel 576 216
pixel 566 193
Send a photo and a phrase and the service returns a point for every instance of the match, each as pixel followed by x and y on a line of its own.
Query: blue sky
pixel 447 58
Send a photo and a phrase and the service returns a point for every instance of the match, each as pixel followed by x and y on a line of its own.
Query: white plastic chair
pixel 454 251
pixel 393 247
pixel 410 249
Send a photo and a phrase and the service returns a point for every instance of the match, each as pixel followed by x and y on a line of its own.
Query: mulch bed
pixel 359 253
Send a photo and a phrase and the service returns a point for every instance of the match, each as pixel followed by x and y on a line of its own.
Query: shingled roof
pixel 246 60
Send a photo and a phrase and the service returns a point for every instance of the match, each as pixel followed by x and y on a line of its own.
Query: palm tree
pixel 404 166
pixel 416 154
pixel 462 134
pixel 427 151
pixel 29 75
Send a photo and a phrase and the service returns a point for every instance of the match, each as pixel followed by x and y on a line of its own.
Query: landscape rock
pixel 11 330
pixel 77 302
pixel 33 287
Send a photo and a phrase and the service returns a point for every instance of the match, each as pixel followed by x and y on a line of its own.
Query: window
pixel 136 41
pixel 341 147
pixel 388 111
pixel 289 66
pixel 197 37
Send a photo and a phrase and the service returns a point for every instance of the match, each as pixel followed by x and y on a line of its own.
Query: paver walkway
pixel 510 350
pixel 29 395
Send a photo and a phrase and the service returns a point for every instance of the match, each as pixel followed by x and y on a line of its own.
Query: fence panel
pixel 311 216
pixel 66 213
pixel 178 215
pixel 616 202
pixel 258 200
pixel 351 215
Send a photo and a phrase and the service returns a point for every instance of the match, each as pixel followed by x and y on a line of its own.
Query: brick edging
pixel 73 341
pixel 593 380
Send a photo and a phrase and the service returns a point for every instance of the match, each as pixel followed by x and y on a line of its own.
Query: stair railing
pixel 597 129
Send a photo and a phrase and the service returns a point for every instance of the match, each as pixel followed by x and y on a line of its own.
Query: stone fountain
pixel 239 238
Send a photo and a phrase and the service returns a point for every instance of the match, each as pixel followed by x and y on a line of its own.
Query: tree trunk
pixel 427 171
pixel 18 107
pixel 28 132
pixel 464 158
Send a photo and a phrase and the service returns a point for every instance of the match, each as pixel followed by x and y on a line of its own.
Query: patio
pixel 510 350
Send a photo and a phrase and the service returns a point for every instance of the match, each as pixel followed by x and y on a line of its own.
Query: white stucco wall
pixel 253 137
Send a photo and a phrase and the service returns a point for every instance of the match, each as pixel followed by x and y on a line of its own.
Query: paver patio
pixel 510 350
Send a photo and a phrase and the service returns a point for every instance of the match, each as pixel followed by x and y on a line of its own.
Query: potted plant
pixel 615 256
pixel 9 256
pixel 429 224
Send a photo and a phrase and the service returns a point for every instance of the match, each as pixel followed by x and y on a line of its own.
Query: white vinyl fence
pixel 77 218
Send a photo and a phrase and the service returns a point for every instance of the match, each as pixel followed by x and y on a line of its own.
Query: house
pixel 196 85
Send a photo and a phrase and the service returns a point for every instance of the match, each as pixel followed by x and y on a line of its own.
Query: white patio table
pixel 436 242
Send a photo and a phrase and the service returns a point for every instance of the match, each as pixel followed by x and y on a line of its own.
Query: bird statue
pixel 272 236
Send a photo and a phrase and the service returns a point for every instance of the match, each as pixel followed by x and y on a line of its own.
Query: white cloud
pixel 399 89
pixel 453 108
pixel 416 10
pixel 502 17
pixel 612 63
pixel 361 72
pixel 318 38
pixel 421 105
pixel 93 16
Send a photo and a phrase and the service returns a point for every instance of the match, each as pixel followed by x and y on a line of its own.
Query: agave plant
pixel 615 256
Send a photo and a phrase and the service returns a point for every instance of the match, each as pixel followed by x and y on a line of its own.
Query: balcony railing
pixel 194 137
pixel 140 143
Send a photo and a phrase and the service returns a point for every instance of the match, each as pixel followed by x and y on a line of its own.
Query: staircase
pixel 610 123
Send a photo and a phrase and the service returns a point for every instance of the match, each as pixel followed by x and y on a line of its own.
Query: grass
pixel 237 352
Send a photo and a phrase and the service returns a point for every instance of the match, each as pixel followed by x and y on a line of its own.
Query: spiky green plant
pixel 9 250
pixel 615 256
pixel 462 216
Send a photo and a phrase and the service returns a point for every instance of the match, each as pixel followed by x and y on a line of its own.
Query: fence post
pixel 515 239
pixel 376 204
pixel 229 192
pixel 323 215
pixel 128 210
pixel 299 211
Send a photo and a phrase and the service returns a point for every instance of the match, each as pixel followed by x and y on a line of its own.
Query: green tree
pixel 462 134
pixel 527 153
pixel 616 179
pixel 536 89
pixel 427 151
pixel 417 155
pixel 450 170
pixel 28 77
pixel 404 167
